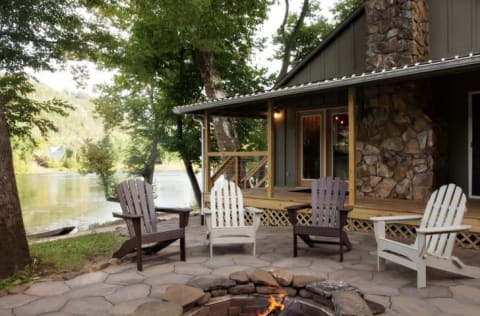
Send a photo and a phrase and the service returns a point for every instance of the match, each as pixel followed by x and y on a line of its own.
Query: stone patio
pixel 120 289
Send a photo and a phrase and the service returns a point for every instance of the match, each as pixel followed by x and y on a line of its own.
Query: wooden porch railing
pixel 241 167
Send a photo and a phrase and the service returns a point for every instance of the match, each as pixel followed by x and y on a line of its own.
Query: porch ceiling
pixel 255 104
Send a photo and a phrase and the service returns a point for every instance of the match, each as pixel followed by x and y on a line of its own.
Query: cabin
pixel 389 101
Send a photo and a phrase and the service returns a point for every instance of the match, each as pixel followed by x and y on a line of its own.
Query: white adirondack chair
pixel 225 218
pixel 435 237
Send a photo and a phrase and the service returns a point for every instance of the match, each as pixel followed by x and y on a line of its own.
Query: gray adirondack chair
pixel 433 247
pixel 226 217
pixel 140 214
pixel 328 217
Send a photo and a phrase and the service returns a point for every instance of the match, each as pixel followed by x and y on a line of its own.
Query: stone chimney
pixel 397 33
pixel 400 139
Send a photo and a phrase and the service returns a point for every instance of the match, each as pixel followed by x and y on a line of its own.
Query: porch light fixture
pixel 277 114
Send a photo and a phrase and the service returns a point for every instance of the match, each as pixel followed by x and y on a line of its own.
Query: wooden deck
pixel 363 209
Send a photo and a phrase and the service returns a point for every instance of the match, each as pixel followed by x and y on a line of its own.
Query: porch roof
pixel 427 69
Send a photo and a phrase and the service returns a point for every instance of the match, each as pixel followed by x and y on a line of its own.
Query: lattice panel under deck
pixel 273 217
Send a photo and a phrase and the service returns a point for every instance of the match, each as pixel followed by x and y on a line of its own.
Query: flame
pixel 274 305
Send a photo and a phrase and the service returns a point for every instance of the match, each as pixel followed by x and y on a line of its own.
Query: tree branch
pixel 290 41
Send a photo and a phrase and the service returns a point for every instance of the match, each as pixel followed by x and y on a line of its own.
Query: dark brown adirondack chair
pixel 329 215
pixel 136 200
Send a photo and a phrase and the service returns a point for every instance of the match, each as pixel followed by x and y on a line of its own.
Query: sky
pixel 63 80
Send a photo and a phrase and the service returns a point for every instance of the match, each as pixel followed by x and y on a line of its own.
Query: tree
pixel 98 158
pixel 178 50
pixel 33 33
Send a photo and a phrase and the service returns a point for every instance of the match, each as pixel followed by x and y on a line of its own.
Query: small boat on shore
pixel 52 233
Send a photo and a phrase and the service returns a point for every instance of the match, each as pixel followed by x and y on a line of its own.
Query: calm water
pixel 53 200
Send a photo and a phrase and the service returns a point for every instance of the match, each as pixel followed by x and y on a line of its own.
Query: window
pixel 339 141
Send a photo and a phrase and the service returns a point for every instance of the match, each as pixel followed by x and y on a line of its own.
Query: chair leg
pixel 295 252
pixel 139 257
pixel 211 249
pixel 138 244
pixel 381 264
pixel 183 255
pixel 341 246
pixel 421 275
pixel 254 246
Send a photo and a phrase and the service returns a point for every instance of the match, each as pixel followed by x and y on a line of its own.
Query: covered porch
pixel 273 178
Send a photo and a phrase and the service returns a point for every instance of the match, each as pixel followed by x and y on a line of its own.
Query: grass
pixel 64 255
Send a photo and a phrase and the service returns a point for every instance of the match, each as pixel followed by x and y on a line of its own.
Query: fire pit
pixel 266 293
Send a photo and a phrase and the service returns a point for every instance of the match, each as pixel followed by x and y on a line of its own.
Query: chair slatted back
pixel 328 194
pixel 445 208
pixel 226 204
pixel 136 198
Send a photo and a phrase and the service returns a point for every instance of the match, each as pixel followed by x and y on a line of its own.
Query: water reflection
pixel 53 200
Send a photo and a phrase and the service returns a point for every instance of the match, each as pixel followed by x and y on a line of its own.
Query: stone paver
pixel 127 278
pixel 87 278
pixel 129 293
pixel 120 289
pixel 97 289
pixel 49 288
pixel 41 306
pixel 12 301
pixel 88 306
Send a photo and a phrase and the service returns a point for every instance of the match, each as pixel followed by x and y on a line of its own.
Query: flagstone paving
pixel 120 289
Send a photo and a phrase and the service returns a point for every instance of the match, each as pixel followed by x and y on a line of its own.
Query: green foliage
pixel 343 8
pixel 23 113
pixel 98 158
pixel 63 255
pixel 72 253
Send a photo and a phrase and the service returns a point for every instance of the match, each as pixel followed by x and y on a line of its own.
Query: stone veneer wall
pixel 397 32
pixel 396 145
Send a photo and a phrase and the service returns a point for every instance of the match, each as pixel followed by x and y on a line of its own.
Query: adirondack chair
pixel 329 215
pixel 435 237
pixel 140 214
pixel 225 217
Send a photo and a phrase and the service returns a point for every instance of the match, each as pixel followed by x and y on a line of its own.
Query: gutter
pixel 419 70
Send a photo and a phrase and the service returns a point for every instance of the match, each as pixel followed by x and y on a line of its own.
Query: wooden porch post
pixel 271 144
pixel 206 150
pixel 352 175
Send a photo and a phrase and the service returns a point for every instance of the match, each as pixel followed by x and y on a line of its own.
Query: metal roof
pixel 418 70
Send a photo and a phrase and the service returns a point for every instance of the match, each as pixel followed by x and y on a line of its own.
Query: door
pixel 310 151
pixel 474 149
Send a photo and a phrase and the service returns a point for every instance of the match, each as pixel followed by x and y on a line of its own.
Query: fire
pixel 274 305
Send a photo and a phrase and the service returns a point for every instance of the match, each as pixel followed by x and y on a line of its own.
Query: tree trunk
pixel 13 241
pixel 224 127
pixel 289 42
pixel 149 168
pixel 188 165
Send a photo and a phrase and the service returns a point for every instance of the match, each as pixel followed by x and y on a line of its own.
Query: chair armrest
pixel 253 210
pixel 345 209
pixel 184 214
pixel 126 216
pixel 443 230
pixel 298 207
pixel 397 218
pixel 172 210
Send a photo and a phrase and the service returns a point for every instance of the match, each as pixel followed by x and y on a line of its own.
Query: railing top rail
pixel 238 154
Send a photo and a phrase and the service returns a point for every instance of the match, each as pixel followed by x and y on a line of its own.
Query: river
pixel 57 199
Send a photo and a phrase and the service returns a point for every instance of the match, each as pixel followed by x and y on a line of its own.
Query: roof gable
pixel 342 52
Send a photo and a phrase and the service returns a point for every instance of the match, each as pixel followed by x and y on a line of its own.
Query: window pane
pixel 340 145
pixel 311 147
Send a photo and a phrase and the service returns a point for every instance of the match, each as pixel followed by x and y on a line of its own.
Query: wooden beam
pixel 271 150
pixel 206 150
pixel 352 174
